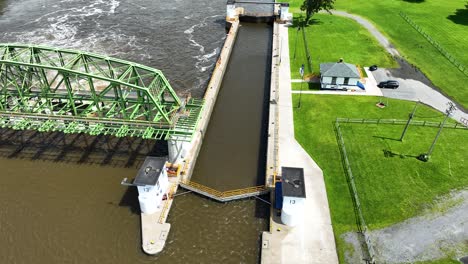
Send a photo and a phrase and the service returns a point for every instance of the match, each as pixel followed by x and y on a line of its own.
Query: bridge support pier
pixel 178 150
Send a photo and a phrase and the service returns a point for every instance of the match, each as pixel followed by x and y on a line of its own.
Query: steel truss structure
pixel 50 89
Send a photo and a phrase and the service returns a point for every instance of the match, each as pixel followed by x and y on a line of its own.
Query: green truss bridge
pixel 49 89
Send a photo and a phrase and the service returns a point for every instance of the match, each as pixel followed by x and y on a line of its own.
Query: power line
pixel 451 108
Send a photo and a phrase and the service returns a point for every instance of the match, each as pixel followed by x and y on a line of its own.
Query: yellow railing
pixel 361 74
pixel 166 203
pixel 185 167
pixel 225 194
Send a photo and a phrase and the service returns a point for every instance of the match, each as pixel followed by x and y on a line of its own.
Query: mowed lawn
pixel 392 184
pixel 314 130
pixel 445 21
pixel 305 86
pixel 330 38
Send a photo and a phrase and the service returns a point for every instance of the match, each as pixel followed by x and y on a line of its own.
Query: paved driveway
pixel 413 84
pixel 414 90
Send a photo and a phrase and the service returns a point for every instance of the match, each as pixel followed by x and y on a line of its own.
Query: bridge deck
pixel 223 196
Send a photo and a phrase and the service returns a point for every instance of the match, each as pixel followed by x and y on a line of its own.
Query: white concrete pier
pixel 154 229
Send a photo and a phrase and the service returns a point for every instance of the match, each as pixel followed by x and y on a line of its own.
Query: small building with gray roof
pixel 339 75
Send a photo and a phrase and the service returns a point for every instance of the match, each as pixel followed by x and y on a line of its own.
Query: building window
pixel 333 80
pixel 346 81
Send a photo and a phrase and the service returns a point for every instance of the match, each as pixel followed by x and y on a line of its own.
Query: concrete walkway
pixel 312 241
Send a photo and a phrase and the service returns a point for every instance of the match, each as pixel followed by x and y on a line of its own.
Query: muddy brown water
pixel 233 152
pixel 60 195
pixel 58 212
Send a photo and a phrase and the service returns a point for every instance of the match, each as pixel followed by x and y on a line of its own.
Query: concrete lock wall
pixel 178 150
pixel 231 12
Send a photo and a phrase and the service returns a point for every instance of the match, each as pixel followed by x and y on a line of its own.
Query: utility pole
pixel 297 32
pixel 450 109
pixel 301 72
pixel 295 43
pixel 409 120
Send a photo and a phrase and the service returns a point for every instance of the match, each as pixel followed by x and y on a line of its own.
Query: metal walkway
pixel 49 89
pixel 223 196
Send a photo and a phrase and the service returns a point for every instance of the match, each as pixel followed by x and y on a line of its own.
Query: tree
pixel 313 6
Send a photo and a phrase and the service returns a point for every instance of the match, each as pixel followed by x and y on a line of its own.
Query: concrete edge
pixel 272 161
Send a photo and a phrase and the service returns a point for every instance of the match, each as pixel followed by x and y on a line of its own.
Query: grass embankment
pixel 330 38
pixel 391 188
pixel 445 21
pixel 305 86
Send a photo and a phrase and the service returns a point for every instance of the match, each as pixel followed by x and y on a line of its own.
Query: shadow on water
pixel 130 200
pixel 460 16
pixel 264 119
pixel 78 148
pixel 220 21
pixel 262 209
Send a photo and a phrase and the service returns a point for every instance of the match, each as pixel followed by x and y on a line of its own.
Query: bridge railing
pixel 162 217
pixel 226 195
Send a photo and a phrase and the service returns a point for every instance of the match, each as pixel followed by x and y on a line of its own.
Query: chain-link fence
pixel 362 226
pixel 461 67
pixel 357 204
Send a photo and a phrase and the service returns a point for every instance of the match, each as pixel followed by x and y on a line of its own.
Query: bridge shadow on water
pixel 100 150
pixel 130 199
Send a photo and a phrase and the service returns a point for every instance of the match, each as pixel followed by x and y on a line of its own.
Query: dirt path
pixel 372 29
pixel 440 233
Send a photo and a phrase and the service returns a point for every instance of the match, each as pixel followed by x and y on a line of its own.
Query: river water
pixel 180 37
pixel 233 152
pixel 60 197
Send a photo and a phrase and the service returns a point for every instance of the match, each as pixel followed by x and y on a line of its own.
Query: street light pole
pixel 301 72
pixel 297 32
pixel 450 109
pixel 409 120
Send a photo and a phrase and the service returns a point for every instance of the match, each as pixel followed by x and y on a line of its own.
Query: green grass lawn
pixel 330 38
pixel 305 86
pixel 314 128
pixel 392 184
pixel 445 21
